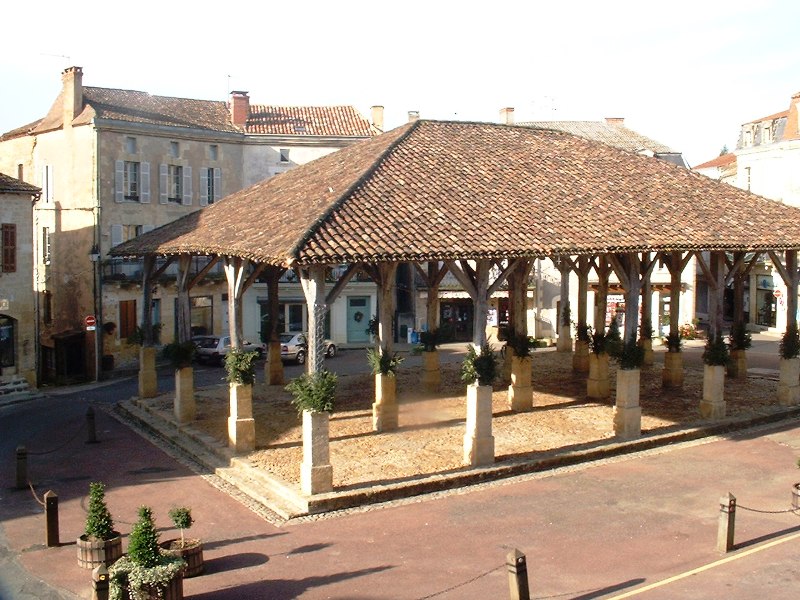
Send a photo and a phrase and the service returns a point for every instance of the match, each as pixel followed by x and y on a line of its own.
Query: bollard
pixel 22 467
pixel 91 430
pixel 100 583
pixel 517 575
pixel 51 518
pixel 727 521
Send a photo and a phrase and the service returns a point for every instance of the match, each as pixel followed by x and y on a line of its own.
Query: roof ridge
pixel 314 227
pixel 151 95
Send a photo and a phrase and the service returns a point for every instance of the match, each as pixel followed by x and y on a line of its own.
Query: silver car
pixel 213 348
pixel 294 347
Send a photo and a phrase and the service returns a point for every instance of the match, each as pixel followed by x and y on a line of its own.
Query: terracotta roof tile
pixel 12 185
pixel 722 160
pixel 618 136
pixel 307 121
pixel 434 190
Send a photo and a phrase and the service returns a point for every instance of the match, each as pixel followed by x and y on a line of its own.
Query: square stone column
pixel 738 365
pixel 647 346
pixel 580 358
pixel 789 382
pixel 148 379
pixel 478 439
pixel 712 406
pixel 273 369
pixel 431 374
pixel 184 405
pixel 672 375
pixel 241 425
pixel 564 342
pixel 598 385
pixel 316 472
pixel 385 409
pixel 627 411
pixel 520 392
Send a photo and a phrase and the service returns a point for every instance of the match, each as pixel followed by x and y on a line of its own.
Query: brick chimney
pixel 616 121
pixel 240 108
pixel 377 117
pixel 507 116
pixel 792 129
pixel 72 93
pixel 413 115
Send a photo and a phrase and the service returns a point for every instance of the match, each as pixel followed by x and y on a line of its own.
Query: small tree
pixel 716 352
pixel 315 392
pixel 740 338
pixel 143 543
pixel 182 519
pixel 240 367
pixel 99 524
pixel 179 354
pixel 479 367
pixel 790 342
pixel 383 362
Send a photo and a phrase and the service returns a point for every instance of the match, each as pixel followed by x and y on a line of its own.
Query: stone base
pixel 737 368
pixel 789 382
pixel 580 359
pixel 627 422
pixel 431 374
pixel 241 434
pixel 712 406
pixel 316 480
pixel 598 385
pixel 184 405
pixel 520 398
pixel 385 409
pixel 148 378
pixel 478 451
pixel 564 344
pixel 672 375
pixel 273 369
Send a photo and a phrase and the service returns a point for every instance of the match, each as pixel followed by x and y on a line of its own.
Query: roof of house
pixel 772 117
pixel 307 120
pixel 12 185
pixel 440 190
pixel 723 160
pixel 616 135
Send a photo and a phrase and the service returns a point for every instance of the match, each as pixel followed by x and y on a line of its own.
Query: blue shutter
pixel 217 183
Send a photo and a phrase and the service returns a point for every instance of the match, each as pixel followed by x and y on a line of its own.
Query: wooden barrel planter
pixel 93 553
pixel 168 591
pixel 192 553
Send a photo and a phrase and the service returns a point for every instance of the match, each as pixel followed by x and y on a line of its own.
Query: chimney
pixel 792 129
pixel 413 115
pixel 377 117
pixel 615 121
pixel 507 116
pixel 72 93
pixel 240 108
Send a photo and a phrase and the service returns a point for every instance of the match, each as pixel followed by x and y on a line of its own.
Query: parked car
pixel 294 347
pixel 213 348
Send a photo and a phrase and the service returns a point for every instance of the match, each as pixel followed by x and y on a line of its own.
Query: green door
pixel 358 316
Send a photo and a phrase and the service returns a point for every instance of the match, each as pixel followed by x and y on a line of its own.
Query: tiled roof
pixel 617 135
pixel 437 190
pixel 20 131
pixel 307 121
pixel 722 160
pixel 779 115
pixel 12 185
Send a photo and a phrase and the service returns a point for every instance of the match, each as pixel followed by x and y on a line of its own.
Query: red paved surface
pixel 594 532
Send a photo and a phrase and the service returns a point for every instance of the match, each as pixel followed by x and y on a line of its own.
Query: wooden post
pixel 727 521
pixel 313 283
pixel 564 343
pixel 274 365
pixel 22 467
pixel 517 567
pixel 51 518
pixel 184 302
pixel 601 298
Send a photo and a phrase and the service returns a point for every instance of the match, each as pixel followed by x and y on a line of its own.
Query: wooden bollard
pixel 51 518
pixel 727 522
pixel 517 566
pixel 22 467
pixel 91 428
pixel 100 583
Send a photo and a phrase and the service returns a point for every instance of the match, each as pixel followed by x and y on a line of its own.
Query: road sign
pixel 90 322
pixel 777 293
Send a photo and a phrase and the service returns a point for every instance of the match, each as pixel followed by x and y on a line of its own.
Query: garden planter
pixel 191 552
pixel 627 411
pixel 789 381
pixel 520 392
pixel 172 590
pixel 184 406
pixel 672 375
pixel 712 406
pixel 384 410
pixel 598 386
pixel 316 472
pixel 93 553
pixel 580 359
pixel 431 375
pixel 738 365
pixel 478 439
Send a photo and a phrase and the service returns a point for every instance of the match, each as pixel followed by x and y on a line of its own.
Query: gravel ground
pixel 430 437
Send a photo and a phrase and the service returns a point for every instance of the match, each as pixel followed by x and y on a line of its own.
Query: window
pixel 130 145
pixel 213 152
pixel 175 183
pixel 132 181
pixel 6 341
pixel 210 185
pixel 46 246
pixel 9 234
pixel 766 133
pixel 127 318
pixel 47 183
pixel 284 155
pixel 748 137
pixel 174 149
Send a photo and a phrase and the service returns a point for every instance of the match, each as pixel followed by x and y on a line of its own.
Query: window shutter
pixel 187 186
pixel 204 186
pixel 119 180
pixel 146 228
pixel 50 183
pixel 163 183
pixel 144 192
pixel 217 183
pixel 116 235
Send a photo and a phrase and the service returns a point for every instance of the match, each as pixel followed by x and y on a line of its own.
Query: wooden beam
pixel 463 278
pixel 348 274
pixel 202 273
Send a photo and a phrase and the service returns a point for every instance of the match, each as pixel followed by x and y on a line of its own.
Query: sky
pixel 686 74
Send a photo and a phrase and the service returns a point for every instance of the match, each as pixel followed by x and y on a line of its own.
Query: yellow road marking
pixel 722 561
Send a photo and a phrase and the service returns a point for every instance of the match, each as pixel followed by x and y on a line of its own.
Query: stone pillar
pixel 627 412
pixel 672 375
pixel 316 472
pixel 385 409
pixel 737 368
pixel 789 382
pixel 184 405
pixel 520 392
pixel 241 425
pixel 712 406
pixel 478 439
pixel 647 346
pixel 431 375
pixel 148 379
pixel 274 365
pixel 598 386
pixel 580 359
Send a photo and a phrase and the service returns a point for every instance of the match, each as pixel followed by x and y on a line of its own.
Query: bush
pixel 716 352
pixel 143 542
pixel 674 342
pixel 99 524
pixel 179 354
pixel 429 340
pixel 613 343
pixel 646 330
pixel 584 333
pixel 740 338
pixel 520 344
pixel 315 392
pixel 479 367
pixel 372 326
pixel 631 356
pixel 240 367
pixel 382 362
pixel 597 343
pixel 790 343
pixel 688 331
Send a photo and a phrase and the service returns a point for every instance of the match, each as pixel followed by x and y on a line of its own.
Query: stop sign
pixel 90 321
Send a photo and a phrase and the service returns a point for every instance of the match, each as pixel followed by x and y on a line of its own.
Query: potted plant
pixel 646 340
pixel 100 544
pixel 180 355
pixel 479 370
pixel 580 358
pixel 598 385
pixel 313 394
pixel 520 393
pixel 715 357
pixel 789 378
pixel 190 550
pixel 740 340
pixel 431 376
pixel 384 366
pixel 146 573
pixel 240 367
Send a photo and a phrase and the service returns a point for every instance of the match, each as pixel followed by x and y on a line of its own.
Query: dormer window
pixel 284 155
pixel 766 133
pixel 747 137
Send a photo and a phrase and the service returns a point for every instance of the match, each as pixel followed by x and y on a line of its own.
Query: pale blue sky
pixel 684 73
